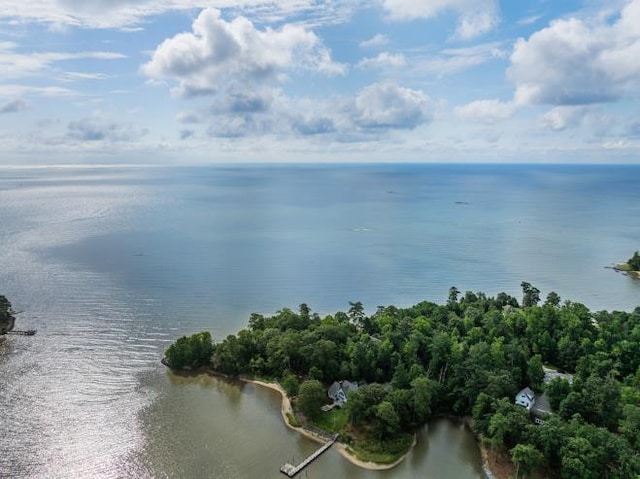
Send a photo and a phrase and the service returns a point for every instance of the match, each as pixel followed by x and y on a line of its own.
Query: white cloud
pixel 454 60
pixel 563 117
pixel 18 65
pixel 530 20
pixel 12 90
pixel 475 16
pixel 218 55
pixel 590 118
pixel 574 62
pixel 378 40
pixel 619 145
pixel 384 60
pixel 130 14
pixel 487 111
pixel 80 76
pixel 386 105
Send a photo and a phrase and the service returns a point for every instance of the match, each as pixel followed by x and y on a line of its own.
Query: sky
pixel 222 81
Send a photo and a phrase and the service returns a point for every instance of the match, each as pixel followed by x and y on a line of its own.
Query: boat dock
pixel 29 332
pixel 291 470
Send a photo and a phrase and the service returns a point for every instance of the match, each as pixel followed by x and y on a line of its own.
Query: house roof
pixel 527 392
pixel 333 390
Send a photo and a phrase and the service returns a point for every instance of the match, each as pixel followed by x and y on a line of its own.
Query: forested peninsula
pixel 7 319
pixel 468 358
pixel 631 267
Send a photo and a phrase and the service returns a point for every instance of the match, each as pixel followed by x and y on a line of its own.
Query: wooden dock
pixel 29 332
pixel 291 470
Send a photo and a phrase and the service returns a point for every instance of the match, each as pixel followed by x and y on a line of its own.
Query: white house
pixel 538 406
pixel 526 398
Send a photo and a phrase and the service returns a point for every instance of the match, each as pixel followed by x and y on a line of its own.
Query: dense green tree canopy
pixel 5 308
pixel 190 352
pixel 634 262
pixel 469 356
pixel 6 314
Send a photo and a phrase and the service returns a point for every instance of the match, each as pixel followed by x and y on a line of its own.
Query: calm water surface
pixel 111 264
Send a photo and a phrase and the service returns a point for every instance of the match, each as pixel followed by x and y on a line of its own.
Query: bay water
pixel 111 264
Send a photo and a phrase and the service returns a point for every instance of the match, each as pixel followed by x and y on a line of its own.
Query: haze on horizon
pixel 193 81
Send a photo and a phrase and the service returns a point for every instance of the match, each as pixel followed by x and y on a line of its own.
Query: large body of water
pixel 111 264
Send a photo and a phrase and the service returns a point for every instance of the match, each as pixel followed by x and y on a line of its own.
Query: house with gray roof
pixel 338 391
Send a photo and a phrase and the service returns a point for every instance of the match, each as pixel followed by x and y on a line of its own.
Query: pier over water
pixel 291 470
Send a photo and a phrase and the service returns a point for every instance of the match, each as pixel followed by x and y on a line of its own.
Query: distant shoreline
pixel 626 270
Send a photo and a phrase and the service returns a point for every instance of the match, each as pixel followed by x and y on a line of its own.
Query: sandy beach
pixel 341 448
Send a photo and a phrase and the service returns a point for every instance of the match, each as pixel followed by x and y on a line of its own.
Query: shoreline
pixel 626 270
pixel 343 449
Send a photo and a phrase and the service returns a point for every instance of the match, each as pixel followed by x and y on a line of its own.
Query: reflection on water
pixel 110 266
pixel 203 426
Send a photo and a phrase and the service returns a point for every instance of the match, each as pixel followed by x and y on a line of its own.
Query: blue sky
pixel 194 81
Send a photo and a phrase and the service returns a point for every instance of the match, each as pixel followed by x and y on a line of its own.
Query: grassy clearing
pixel 333 421
pixel 383 452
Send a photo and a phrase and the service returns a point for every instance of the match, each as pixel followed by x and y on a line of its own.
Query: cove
pixel 205 426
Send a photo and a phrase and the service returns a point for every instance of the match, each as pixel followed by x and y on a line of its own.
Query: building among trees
pixel 338 391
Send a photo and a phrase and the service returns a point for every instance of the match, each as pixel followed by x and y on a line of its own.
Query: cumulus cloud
pixel 218 54
pixel 99 128
pixel 14 106
pixel 243 102
pixel 314 125
pixel 475 16
pixel 386 105
pixel 384 60
pixel 575 62
pixel 486 111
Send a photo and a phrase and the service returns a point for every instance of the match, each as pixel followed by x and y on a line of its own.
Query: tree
pixel 190 352
pixel 530 295
pixel 311 397
pixel 630 424
pixel 535 372
pixel 557 389
pixel 291 384
pixel 388 420
pixel 424 392
pixel 553 299
pixel 549 438
pixel 579 460
pixel 453 295
pixel 634 262
pixel 6 315
pixel 526 458
pixel 482 410
pixel 356 312
pixel 5 308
